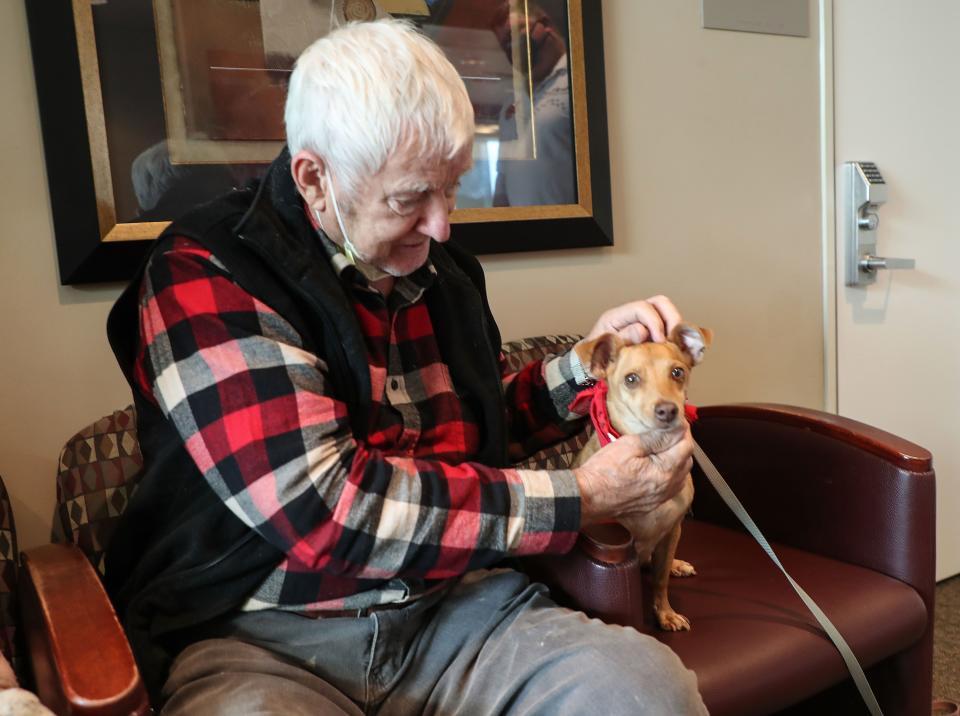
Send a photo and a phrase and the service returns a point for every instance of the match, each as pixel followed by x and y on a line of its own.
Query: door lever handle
pixel 864 191
pixel 872 263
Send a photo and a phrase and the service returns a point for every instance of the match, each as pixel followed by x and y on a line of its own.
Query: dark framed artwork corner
pixel 149 107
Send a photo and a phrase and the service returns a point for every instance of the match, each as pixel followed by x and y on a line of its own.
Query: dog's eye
pixel 677 373
pixel 632 380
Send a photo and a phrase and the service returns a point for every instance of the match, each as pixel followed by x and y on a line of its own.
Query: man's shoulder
pixel 225 210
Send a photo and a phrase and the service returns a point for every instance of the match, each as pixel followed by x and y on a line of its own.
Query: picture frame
pixel 105 95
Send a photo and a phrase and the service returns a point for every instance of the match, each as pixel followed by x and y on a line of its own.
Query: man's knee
pixel 635 673
pixel 676 689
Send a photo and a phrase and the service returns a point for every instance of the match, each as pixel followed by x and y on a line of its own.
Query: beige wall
pixel 714 162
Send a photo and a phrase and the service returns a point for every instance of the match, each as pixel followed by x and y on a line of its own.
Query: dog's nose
pixel 665 412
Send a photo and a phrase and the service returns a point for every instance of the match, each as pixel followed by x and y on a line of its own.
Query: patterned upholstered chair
pixel 850 508
pixel 81 661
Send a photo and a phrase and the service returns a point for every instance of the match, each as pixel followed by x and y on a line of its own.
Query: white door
pixel 896 96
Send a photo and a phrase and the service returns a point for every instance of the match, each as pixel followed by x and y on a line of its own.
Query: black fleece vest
pixel 179 557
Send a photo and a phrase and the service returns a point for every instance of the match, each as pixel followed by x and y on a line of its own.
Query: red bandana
pixel 596 396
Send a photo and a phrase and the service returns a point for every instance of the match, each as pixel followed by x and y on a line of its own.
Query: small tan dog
pixel 646 392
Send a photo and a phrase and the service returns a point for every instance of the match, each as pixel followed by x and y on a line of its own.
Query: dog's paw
pixel 669 620
pixel 679 568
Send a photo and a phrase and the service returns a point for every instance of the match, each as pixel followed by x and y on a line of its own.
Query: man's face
pixel 393 215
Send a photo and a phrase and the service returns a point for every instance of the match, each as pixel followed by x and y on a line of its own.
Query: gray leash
pixel 856 671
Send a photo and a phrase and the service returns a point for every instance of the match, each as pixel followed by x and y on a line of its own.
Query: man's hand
pixel 639 321
pixel 631 475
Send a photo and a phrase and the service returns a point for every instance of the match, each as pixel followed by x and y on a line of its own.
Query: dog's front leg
pixel 663 560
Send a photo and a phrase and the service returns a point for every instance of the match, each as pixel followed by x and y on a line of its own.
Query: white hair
pixel 369 89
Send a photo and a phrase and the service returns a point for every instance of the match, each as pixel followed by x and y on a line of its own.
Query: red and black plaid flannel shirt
pixel 360 523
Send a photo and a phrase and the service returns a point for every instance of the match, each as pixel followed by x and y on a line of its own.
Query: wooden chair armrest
pixel 81 660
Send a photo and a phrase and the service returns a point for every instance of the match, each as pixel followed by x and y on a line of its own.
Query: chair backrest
pixel 518 354
pixel 99 469
pixel 101 464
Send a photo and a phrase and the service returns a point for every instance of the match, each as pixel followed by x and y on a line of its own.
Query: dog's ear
pixel 692 340
pixel 599 354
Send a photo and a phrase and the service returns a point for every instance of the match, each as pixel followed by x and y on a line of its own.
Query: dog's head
pixel 647 383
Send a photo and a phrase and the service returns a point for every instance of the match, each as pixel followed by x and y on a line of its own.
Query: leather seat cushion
pixel 747 620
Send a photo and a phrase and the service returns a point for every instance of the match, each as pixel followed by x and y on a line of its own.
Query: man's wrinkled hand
pixel 632 475
pixel 639 321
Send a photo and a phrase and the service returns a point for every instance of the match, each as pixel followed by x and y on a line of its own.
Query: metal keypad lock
pixel 866 191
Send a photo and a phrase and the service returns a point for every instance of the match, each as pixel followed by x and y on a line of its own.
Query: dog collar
pixel 594 401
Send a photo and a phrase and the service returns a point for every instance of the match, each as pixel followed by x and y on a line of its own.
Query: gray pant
pixel 493 644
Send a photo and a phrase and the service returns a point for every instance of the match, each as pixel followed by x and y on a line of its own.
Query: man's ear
pixel 310 175
pixel 599 354
pixel 692 340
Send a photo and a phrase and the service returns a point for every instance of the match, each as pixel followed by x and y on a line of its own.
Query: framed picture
pixel 150 107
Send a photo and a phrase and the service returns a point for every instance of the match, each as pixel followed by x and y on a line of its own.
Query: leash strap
pixel 856 671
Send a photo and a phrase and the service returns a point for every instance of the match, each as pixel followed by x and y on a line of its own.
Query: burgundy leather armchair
pixel 850 510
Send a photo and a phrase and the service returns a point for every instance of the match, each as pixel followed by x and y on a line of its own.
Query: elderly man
pixel 325 422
